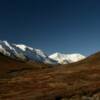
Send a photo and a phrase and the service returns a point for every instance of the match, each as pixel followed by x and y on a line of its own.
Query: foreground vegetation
pixel 21 80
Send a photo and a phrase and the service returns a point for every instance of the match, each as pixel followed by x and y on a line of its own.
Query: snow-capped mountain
pixel 24 52
pixel 66 58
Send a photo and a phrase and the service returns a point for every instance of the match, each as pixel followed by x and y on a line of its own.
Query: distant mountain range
pixel 23 52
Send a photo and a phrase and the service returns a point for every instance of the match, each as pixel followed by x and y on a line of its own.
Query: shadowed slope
pixel 77 81
pixel 8 65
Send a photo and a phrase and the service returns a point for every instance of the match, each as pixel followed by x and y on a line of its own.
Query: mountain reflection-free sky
pixel 65 26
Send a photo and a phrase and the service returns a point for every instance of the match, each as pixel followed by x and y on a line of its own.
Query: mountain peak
pixel 24 52
pixel 66 58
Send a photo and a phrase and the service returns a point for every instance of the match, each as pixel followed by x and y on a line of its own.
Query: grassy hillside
pixel 35 81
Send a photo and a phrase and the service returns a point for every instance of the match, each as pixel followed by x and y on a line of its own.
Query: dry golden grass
pixel 24 81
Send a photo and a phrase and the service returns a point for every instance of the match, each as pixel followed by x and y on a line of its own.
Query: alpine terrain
pixel 30 74
pixel 23 52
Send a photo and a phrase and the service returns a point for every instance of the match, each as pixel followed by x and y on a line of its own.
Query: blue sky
pixel 65 26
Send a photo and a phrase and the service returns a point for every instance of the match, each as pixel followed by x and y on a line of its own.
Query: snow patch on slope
pixel 23 47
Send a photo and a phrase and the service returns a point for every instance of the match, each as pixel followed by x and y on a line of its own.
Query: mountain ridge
pixel 25 52
pixel 66 58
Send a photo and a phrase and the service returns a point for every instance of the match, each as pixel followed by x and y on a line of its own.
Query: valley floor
pixel 77 81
